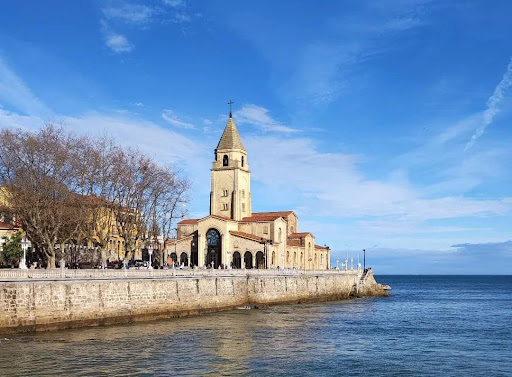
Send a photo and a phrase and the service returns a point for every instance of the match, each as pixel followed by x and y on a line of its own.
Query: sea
pixel 429 326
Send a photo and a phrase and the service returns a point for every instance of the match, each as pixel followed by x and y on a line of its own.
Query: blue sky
pixel 384 124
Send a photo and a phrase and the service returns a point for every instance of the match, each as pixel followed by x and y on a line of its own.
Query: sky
pixel 385 125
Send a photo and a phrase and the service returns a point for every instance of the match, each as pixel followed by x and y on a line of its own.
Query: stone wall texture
pixel 51 305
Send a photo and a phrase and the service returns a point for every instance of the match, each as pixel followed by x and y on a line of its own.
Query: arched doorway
pixel 184 259
pixel 260 260
pixel 248 259
pixel 174 258
pixel 194 256
pixel 237 260
pixel 214 248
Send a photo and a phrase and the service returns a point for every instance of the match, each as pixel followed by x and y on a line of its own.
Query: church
pixel 233 236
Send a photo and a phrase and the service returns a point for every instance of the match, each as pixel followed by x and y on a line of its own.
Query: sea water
pixel 429 326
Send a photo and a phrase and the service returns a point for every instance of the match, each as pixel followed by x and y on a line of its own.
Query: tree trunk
pixel 103 257
pixel 51 261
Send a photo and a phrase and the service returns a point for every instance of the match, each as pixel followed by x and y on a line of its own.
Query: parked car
pixel 138 263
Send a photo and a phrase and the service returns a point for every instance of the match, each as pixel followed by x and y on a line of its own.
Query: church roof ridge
pixel 248 236
pixel 230 138
pixel 299 234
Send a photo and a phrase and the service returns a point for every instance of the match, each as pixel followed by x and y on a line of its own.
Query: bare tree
pixel 68 189
pixel 35 170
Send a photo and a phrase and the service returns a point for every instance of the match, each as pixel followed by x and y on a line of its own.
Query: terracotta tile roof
pixel 254 219
pixel 189 221
pixel 293 243
pixel 321 247
pixel 300 235
pixel 248 236
pixel 266 216
pixel 275 213
pixel 7 226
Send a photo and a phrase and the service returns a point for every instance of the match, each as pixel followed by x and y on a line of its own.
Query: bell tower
pixel 230 194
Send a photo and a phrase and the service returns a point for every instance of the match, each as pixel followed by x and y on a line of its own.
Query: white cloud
pixel 259 116
pixel 130 13
pixel 330 184
pixel 14 92
pixel 118 43
pixel 125 128
pixel 174 3
pixel 493 104
pixel 169 116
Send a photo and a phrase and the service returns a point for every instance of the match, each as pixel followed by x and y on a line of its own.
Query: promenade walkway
pixel 16 275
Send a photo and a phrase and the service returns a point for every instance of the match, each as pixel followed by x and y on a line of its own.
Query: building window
pixel 265 229
pixel 225 160
pixel 273 258
pixel 279 235
pixel 224 206
pixel 225 193
pixel 287 257
pixel 243 207
pixel 243 194
pixel 242 161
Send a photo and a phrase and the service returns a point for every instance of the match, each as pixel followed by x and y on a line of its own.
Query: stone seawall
pixel 50 305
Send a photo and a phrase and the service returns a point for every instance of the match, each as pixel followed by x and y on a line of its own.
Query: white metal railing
pixel 56 274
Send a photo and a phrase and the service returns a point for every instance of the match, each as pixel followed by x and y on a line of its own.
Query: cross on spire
pixel 230 103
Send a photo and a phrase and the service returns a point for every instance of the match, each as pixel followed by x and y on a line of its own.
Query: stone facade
pixel 232 235
pixel 39 305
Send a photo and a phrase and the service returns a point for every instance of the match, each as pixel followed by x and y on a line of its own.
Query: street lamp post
pixel 364 259
pixel 150 251
pixel 160 240
pixel 24 245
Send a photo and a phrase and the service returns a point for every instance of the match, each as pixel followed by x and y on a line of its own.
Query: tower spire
pixel 230 103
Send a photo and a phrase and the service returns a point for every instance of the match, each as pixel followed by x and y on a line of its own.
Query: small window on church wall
pixel 243 194
pixel 279 235
pixel 224 206
pixel 242 161
pixel 243 207
pixel 225 160
pixel 265 229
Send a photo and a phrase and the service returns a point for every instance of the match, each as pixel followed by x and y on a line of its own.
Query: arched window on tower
pixel 279 235
pixel 242 161
pixel 225 160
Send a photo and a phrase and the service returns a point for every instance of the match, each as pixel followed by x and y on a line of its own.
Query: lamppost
pixel 160 240
pixel 265 249
pixel 24 245
pixel 364 259
pixel 175 244
pixel 150 251
pixel 337 264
